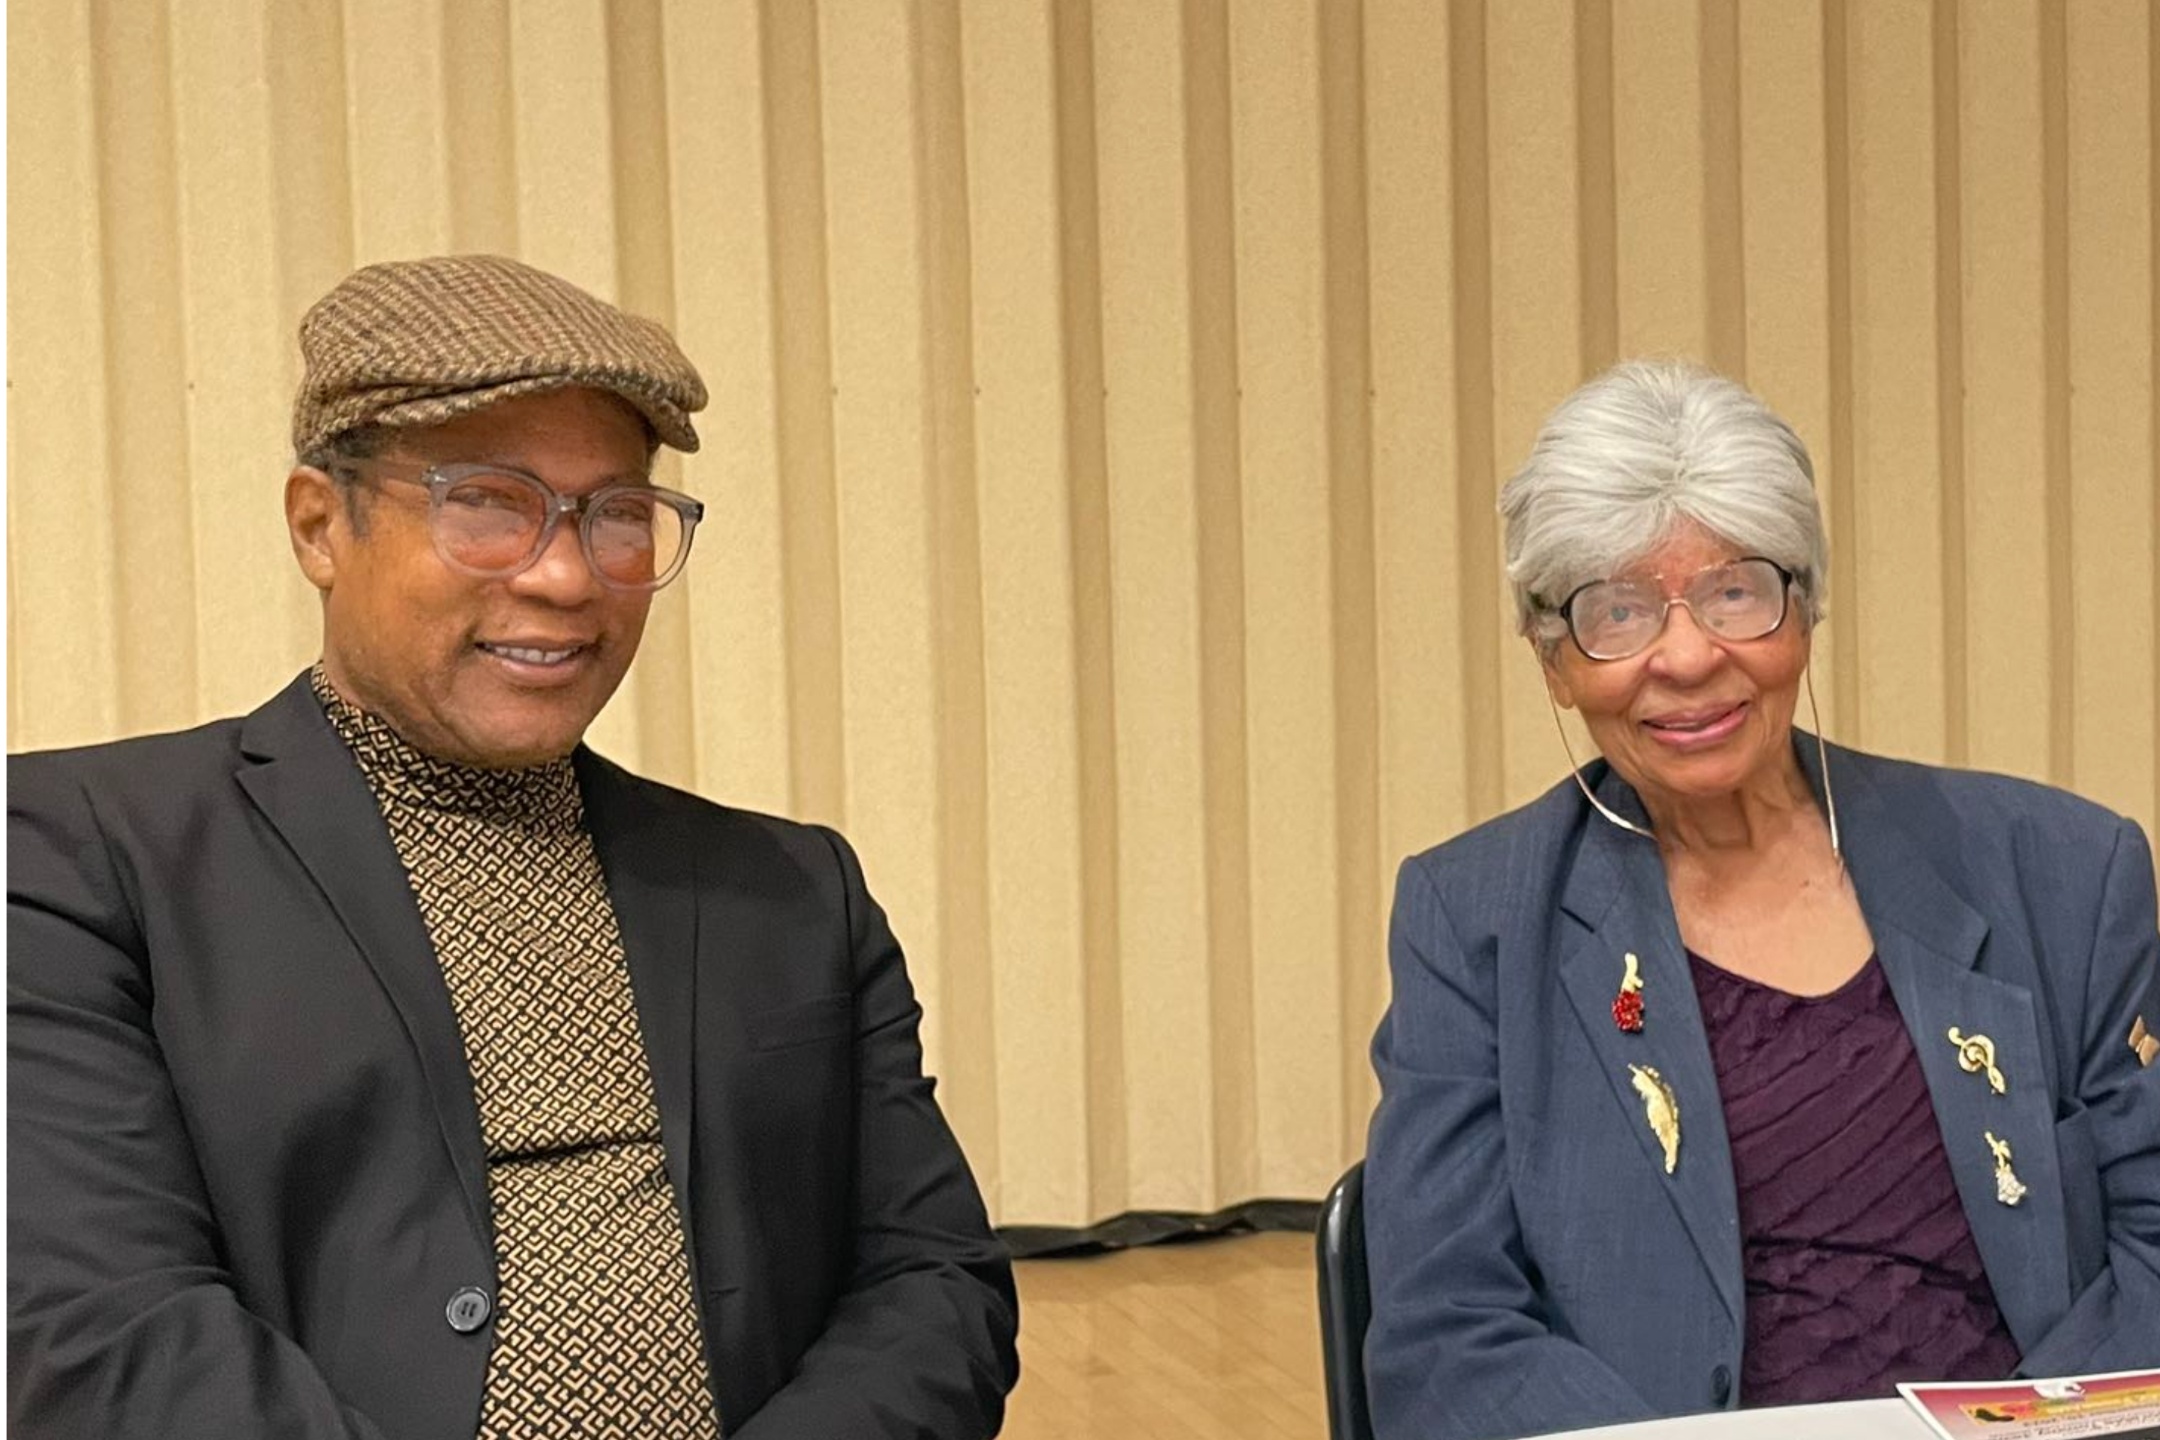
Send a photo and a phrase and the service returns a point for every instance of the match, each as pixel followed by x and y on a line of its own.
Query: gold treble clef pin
pixel 1975 1054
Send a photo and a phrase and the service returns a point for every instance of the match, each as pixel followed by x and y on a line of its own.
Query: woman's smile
pixel 1698 728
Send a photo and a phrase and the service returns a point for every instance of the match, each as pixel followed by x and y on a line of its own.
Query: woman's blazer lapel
pixel 1943 961
pixel 1615 896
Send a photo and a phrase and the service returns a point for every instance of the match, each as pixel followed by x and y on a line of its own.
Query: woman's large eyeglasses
pixel 1739 600
pixel 491 522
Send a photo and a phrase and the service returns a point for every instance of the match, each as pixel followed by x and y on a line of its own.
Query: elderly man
pixel 384 1063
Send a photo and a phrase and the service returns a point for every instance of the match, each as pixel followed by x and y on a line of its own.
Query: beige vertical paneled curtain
pixel 1110 400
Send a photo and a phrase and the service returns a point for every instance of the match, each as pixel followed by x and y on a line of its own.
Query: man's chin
pixel 516 743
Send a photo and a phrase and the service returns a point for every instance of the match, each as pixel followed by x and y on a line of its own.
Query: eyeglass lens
pixel 492 523
pixel 1613 619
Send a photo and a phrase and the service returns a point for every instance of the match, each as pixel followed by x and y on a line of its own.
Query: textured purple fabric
pixel 1861 1270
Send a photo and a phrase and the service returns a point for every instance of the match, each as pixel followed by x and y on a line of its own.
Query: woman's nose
pixel 1684 649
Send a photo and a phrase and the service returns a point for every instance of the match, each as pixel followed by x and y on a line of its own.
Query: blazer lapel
pixel 303 780
pixel 680 911
pixel 1616 890
pixel 1930 941
pixel 652 884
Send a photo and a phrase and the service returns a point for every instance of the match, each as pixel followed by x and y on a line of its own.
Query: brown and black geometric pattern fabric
pixel 596 1326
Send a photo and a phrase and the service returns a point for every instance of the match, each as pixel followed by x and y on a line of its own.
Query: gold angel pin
pixel 1660 1109
pixel 2008 1188
pixel 2144 1042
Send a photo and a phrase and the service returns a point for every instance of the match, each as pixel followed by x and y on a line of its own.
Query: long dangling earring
pixel 1576 770
pixel 1822 754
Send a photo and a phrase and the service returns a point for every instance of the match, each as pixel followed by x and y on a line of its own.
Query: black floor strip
pixel 1157 1227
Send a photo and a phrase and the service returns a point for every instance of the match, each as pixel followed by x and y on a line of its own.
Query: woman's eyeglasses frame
pixel 1566 609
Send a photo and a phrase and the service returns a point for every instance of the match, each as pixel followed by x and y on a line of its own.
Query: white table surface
pixel 1848 1420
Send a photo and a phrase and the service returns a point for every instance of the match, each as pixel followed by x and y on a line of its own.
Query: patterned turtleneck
pixel 596 1323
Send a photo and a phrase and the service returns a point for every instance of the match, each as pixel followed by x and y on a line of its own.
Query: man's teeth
pixel 530 656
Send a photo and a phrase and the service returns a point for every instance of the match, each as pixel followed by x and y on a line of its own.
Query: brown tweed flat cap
pixel 416 342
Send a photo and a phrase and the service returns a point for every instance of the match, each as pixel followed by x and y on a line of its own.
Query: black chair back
pixel 1345 1305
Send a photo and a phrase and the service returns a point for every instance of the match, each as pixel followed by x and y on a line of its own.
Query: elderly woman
pixel 1741 1068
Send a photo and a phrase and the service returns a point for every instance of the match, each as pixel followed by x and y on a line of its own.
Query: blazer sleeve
pixel 121 1319
pixel 2113 1128
pixel 1459 1344
pixel 921 1340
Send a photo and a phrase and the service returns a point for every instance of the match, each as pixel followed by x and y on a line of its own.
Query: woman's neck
pixel 1769 809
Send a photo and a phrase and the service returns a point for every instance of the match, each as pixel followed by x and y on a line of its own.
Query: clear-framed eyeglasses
pixel 492 522
pixel 1738 600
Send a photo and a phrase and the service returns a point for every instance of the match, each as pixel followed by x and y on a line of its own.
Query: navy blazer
pixel 1533 1266
pixel 245 1169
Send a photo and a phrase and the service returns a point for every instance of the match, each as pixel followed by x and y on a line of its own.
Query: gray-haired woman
pixel 1741 1068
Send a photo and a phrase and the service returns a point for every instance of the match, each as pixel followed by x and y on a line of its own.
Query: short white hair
pixel 1634 453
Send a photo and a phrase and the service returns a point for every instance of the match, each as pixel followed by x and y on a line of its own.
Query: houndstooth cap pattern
pixel 417 342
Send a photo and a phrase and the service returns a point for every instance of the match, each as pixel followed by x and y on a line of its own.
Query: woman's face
pixel 1692 716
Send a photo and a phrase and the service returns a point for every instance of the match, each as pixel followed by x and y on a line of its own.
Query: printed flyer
pixel 2124 1405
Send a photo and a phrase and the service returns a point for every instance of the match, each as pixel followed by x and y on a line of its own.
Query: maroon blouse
pixel 1861 1270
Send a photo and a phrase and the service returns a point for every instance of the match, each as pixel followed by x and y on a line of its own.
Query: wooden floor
pixel 1208 1338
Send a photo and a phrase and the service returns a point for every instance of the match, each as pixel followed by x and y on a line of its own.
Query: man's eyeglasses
pixel 491 523
pixel 1739 600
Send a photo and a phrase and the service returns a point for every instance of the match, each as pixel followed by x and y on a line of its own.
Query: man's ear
pixel 317 523
pixel 1549 661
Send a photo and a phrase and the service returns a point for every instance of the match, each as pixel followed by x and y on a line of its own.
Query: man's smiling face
pixel 497 672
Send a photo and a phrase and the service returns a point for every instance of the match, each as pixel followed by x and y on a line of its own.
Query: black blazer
pixel 245 1172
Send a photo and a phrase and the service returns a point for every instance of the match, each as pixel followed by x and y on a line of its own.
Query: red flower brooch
pixel 1627 1005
